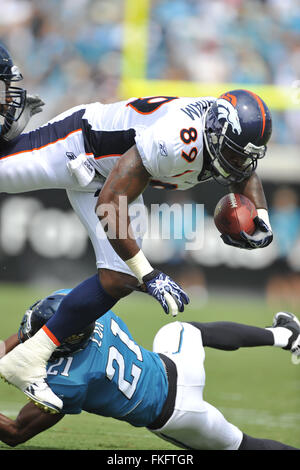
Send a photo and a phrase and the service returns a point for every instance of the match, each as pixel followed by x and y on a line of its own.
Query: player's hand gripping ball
pixel 237 219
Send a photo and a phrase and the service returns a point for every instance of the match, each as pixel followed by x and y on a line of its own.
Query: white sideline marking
pixel 262 417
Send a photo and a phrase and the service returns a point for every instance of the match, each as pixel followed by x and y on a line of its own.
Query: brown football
pixel 234 213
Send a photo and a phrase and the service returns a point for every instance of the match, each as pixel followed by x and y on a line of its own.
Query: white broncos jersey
pixel 78 149
pixel 168 132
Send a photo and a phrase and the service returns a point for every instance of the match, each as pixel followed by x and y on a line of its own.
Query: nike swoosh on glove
pixel 169 294
pixel 261 237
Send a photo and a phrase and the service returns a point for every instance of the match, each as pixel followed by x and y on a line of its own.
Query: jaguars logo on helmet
pixel 40 312
pixel 238 126
pixel 12 99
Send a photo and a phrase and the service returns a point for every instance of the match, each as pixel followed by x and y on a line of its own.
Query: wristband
pixel 139 265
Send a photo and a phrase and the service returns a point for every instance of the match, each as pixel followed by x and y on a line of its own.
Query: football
pixel 234 213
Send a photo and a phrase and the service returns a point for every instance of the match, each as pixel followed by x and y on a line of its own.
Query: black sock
pixel 230 336
pixel 82 306
pixel 251 443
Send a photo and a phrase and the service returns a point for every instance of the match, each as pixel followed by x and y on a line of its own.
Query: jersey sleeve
pixel 168 148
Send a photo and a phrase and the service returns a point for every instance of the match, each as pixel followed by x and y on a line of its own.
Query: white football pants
pixel 194 424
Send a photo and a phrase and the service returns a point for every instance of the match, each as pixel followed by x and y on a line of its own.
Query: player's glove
pixel 169 294
pixel 261 238
pixel 33 106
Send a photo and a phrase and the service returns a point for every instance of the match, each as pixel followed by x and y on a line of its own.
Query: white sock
pixel 40 346
pixel 26 363
pixel 281 336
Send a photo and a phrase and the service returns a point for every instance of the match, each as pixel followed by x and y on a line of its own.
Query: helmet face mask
pixel 229 165
pixel 40 312
pixel 233 136
pixel 12 101
pixel 12 98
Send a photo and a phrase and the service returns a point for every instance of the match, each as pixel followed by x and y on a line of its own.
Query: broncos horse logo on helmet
pixel 12 99
pixel 228 112
pixel 238 126
pixel 40 312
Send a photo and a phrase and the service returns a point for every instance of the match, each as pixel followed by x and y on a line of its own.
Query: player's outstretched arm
pixel 126 182
pixel 30 422
pixel 9 344
pixel 252 188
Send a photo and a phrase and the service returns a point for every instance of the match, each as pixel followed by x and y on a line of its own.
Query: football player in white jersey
pixel 104 155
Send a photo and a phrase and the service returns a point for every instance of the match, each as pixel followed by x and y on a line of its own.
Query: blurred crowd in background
pixel 70 51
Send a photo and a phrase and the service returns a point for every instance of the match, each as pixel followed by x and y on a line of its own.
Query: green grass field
pixel 256 389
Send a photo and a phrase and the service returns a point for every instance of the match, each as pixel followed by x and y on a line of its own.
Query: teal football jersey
pixel 113 376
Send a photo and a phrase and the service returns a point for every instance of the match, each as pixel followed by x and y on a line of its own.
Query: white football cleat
pixel 43 397
pixel 291 322
pixel 25 368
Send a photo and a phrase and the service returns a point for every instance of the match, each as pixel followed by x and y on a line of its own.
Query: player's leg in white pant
pixel 84 204
pixel 43 168
pixel 205 429
pixel 38 159
pixel 168 339
pixel 194 424
pixel 33 171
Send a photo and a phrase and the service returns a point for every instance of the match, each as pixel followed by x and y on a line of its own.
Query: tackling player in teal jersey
pixel 102 370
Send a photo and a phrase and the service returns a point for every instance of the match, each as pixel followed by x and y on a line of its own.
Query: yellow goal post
pixel 134 80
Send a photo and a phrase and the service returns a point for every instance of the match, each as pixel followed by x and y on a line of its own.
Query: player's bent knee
pixel 117 284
